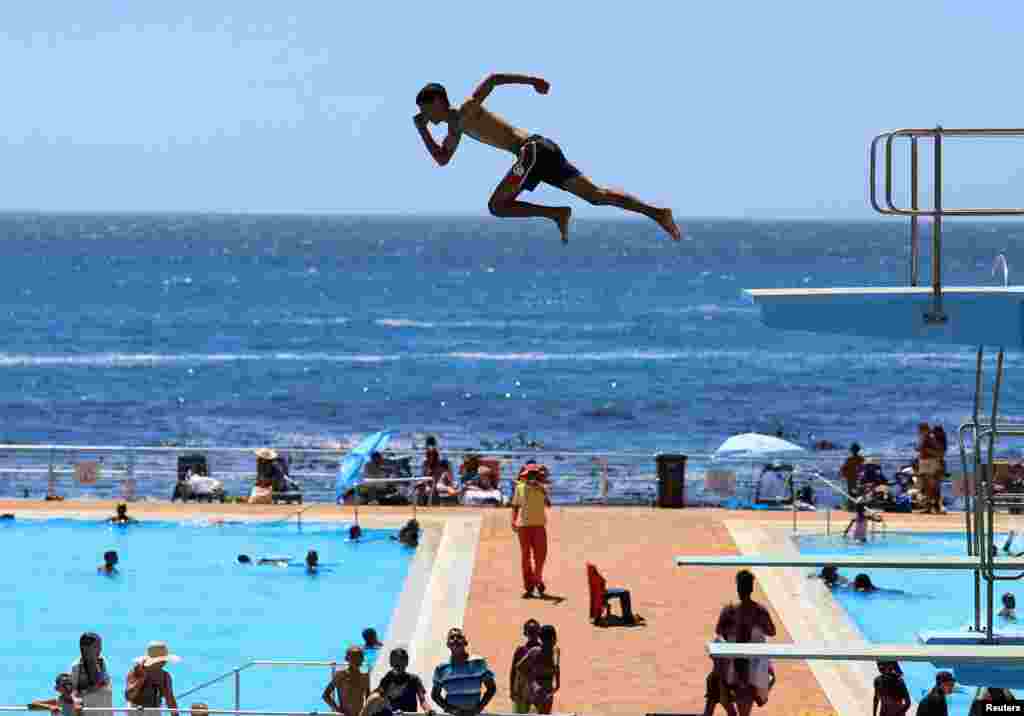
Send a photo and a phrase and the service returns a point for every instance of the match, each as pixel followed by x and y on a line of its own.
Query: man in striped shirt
pixel 457 683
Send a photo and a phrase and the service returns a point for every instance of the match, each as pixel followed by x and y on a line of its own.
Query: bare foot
pixel 564 214
pixel 665 220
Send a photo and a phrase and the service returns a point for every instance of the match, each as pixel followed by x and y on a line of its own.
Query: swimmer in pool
pixel 538 158
pixel 1009 610
pixel 831 577
pixel 862 583
pixel 122 518
pixel 312 562
pixel 409 535
pixel 109 566
pixel 355 532
pixel 265 561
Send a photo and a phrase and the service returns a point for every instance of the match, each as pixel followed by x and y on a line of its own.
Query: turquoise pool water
pixel 181 583
pixel 927 599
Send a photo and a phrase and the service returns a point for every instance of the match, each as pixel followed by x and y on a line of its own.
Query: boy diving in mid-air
pixel 538 159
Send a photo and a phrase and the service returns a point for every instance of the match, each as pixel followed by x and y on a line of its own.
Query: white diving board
pixel 815 651
pixel 976 315
pixel 848 561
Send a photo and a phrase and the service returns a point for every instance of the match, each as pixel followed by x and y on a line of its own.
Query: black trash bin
pixel 671 480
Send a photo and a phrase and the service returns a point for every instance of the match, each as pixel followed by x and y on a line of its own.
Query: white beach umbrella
pixel 754 446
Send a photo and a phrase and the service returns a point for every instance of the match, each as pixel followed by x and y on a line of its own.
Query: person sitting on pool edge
pixel 109 566
pixel 351 685
pixel 122 518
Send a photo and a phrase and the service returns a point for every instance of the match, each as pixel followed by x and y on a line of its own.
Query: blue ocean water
pixel 310 330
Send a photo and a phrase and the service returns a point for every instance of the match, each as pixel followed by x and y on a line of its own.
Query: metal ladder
pixel 981 500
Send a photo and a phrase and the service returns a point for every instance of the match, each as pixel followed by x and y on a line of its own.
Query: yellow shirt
pixel 530 499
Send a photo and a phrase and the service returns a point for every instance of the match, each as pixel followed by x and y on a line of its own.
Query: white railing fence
pixel 613 477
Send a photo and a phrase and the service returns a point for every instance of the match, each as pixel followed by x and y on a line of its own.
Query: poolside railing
pixel 594 477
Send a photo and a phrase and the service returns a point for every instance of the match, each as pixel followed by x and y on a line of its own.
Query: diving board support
pixel 986 655
pixel 938 562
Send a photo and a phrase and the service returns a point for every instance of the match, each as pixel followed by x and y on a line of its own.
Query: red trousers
pixel 533 542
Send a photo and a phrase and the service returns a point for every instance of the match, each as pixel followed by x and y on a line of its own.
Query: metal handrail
pixel 936 315
pixel 936 134
pixel 237 672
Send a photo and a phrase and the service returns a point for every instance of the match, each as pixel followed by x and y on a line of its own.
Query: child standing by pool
pixel 65 704
pixel 860 524
pixel 352 685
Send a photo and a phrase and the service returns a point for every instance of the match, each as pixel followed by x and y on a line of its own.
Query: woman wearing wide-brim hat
pixel 148 683
pixel 266 453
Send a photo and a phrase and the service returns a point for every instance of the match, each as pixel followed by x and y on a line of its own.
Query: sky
pixel 723 109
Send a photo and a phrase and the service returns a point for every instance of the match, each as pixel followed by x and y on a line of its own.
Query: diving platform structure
pixel 978 316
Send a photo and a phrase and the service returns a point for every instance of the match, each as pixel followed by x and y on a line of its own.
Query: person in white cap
pixel 148 683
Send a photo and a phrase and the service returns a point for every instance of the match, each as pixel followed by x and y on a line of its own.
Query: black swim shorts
pixel 541 160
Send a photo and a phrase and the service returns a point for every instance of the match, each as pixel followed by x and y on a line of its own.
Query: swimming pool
pixel 925 600
pixel 181 583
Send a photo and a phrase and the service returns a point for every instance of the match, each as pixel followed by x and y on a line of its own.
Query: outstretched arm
pixel 442 154
pixel 487 86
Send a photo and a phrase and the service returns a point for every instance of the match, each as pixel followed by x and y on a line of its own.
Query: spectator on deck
pixel 934 704
pixel 351 684
pixel 531 631
pixel 751 678
pixel 457 682
pixel 539 670
pixel 891 693
pixel 529 522
pixel 850 471
pixel 446 487
pixel 89 676
pixel 990 697
pixel 148 684
pixel 431 459
pixel 929 469
pixel 402 690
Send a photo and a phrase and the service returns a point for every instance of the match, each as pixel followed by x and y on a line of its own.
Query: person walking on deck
pixel 528 521
pixel 751 678
pixel 538 158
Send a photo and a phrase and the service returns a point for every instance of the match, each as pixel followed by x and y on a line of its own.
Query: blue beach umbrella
pixel 350 472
